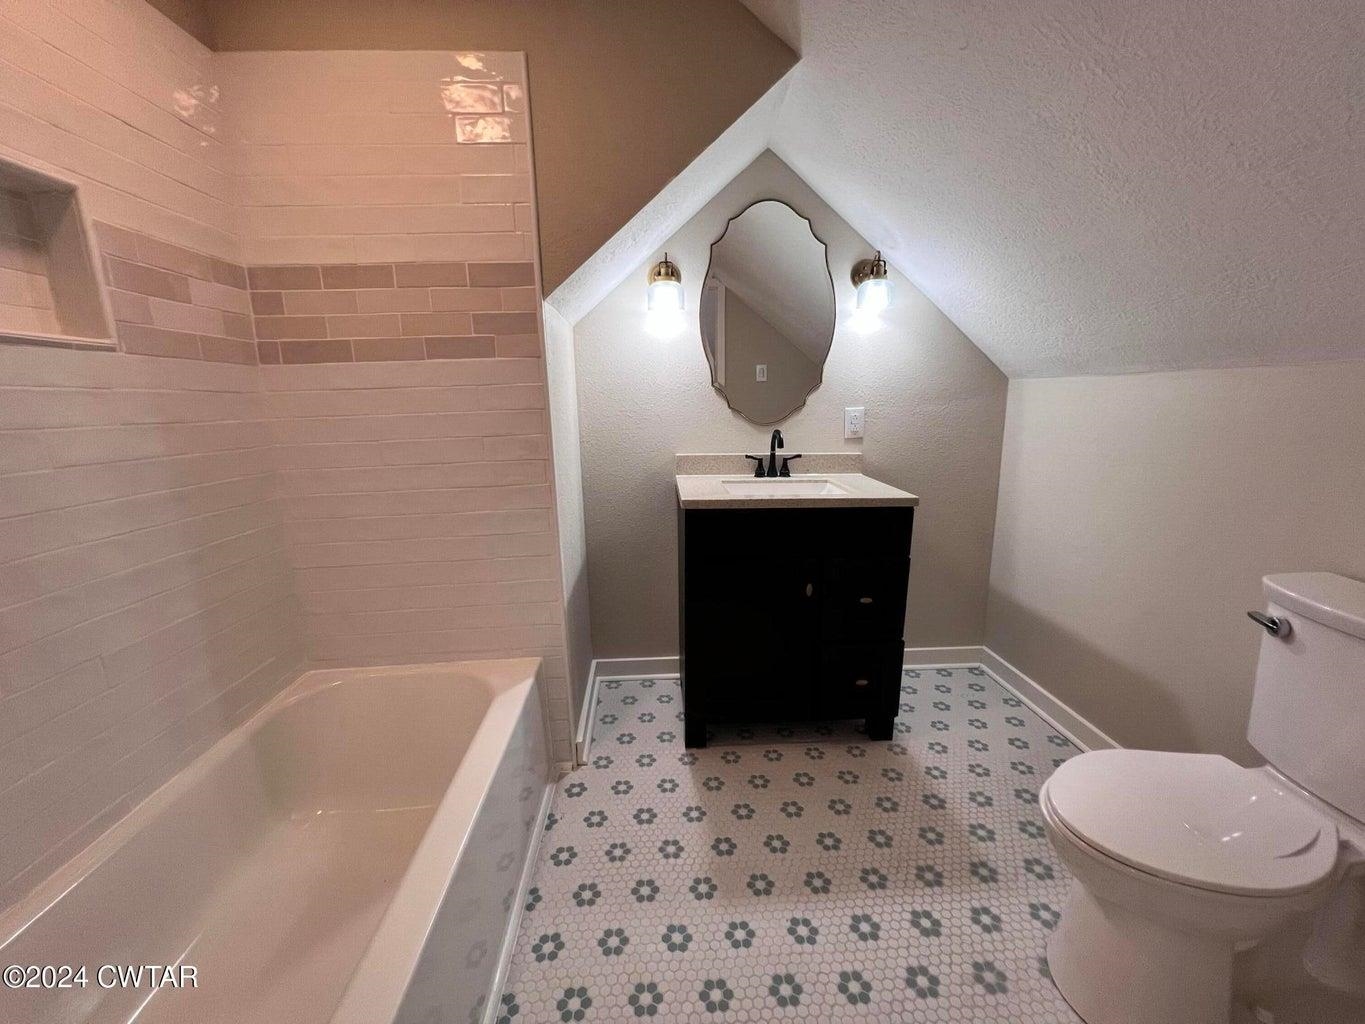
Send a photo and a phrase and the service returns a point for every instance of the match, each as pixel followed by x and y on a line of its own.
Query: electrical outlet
pixel 853 421
pixel 761 372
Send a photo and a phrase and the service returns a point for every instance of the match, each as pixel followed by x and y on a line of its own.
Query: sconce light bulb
pixel 665 297
pixel 874 289
pixel 874 295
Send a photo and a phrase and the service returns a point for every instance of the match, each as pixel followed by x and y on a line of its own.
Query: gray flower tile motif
pixel 677 938
pixel 798 871
pixel 785 990
pixel 739 935
pixel 645 999
pixel 573 1004
pixel 715 995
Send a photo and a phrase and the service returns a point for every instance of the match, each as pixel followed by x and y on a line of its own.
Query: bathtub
pixel 352 855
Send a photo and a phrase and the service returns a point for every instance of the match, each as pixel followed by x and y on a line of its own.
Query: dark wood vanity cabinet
pixel 789 614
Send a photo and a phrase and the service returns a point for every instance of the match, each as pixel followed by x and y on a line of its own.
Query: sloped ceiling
pixel 1087 186
pixel 672 207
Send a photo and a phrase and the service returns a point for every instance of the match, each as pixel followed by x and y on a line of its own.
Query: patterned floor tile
pixel 799 873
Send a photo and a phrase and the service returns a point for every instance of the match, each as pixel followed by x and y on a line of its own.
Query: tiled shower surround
pixel 799 873
pixel 146 601
pixel 380 311
pixel 171 301
pixel 181 529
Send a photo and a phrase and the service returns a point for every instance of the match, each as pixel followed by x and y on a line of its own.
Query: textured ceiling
pixel 1101 186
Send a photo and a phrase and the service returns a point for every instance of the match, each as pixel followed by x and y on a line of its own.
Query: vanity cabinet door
pixel 748 640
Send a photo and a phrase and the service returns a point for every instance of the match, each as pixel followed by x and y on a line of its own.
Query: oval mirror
pixel 767 312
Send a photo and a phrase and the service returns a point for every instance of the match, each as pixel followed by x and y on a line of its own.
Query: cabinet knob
pixel 810 589
pixel 860 682
pixel 864 600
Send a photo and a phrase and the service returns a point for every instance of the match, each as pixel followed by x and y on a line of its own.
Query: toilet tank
pixel 1308 709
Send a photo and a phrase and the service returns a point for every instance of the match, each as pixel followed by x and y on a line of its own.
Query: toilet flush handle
pixel 1274 625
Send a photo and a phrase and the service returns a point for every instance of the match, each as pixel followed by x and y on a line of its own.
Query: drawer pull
pixel 864 600
pixel 810 589
pixel 860 682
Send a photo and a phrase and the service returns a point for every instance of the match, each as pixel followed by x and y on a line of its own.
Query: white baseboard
pixel 635 668
pixel 583 736
pixel 942 657
pixel 615 668
pixel 1072 724
pixel 1084 733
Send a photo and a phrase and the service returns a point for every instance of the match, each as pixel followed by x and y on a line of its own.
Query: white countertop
pixel 858 491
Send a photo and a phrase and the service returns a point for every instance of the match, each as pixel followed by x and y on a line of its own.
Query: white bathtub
pixel 350 855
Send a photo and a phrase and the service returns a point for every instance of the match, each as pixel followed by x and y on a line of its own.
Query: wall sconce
pixel 874 290
pixel 665 289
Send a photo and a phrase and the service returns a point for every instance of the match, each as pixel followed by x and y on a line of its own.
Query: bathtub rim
pixel 380 981
pixel 509 678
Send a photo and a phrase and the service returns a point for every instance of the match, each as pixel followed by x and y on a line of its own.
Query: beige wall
pixel 626 93
pixel 935 409
pixel 191 16
pixel 1137 516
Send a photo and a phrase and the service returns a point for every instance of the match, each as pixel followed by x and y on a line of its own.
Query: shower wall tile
pixel 404 311
pixel 146 604
pixel 174 302
pixel 394 287
pixel 413 494
pixel 379 161
pixel 109 95
pixel 26 301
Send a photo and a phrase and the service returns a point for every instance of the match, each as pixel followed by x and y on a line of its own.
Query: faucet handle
pixel 786 470
pixel 758 469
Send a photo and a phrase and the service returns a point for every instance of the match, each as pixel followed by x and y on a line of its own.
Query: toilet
pixel 1183 861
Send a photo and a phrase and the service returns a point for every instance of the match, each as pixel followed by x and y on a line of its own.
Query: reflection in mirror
pixel 767 312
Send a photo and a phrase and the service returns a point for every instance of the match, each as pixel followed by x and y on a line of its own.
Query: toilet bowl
pixel 1182 860
pixel 1178 860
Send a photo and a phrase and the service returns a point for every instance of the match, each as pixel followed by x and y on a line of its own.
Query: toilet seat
pixel 1195 819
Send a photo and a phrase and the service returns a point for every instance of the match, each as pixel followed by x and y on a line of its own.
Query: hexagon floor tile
pixel 799 873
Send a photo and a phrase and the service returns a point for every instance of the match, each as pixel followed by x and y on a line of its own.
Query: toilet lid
pixel 1198 819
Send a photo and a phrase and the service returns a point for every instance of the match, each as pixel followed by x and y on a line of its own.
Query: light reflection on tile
pixel 470 97
pixel 492 128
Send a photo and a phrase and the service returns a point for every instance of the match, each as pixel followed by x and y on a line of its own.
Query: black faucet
pixel 773 444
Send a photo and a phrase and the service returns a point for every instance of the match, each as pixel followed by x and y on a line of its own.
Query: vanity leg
pixel 881 728
pixel 694 734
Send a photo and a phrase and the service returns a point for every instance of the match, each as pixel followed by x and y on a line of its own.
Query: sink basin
pixel 782 487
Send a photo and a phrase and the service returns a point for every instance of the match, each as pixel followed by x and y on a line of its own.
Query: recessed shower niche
pixel 49 282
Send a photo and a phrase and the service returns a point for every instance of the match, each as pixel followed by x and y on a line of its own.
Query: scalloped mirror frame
pixel 707 349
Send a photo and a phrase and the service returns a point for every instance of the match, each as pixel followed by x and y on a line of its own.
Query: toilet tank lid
pixel 1335 601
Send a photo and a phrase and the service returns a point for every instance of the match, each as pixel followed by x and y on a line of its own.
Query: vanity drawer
pixel 864 598
pixel 858 680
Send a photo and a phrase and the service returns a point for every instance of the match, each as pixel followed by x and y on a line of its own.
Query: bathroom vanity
pixel 791 593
